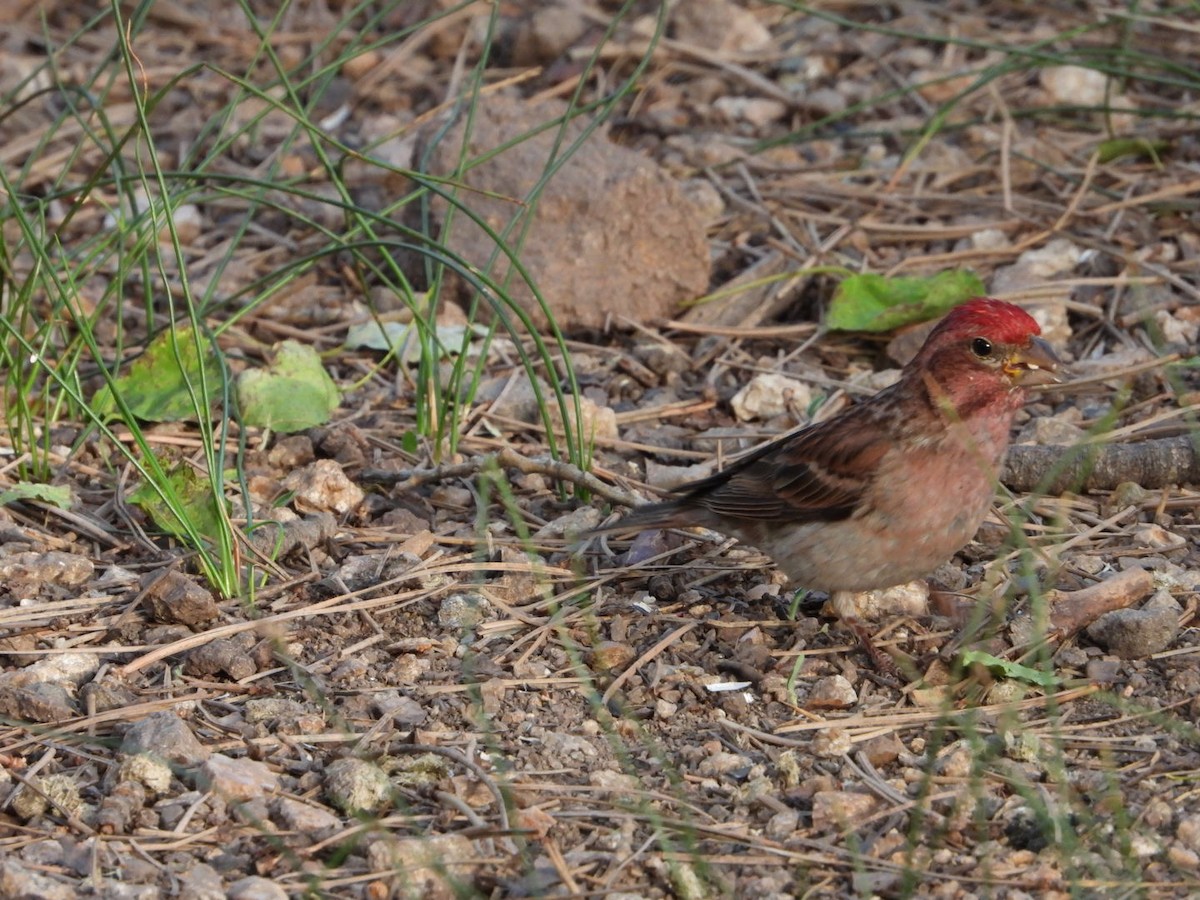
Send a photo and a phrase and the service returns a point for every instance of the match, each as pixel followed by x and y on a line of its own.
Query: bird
pixel 890 488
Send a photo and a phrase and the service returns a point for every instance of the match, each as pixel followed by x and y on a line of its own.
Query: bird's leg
pixel 846 608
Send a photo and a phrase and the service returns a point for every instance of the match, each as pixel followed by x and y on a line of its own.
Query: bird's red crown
pixel 1000 321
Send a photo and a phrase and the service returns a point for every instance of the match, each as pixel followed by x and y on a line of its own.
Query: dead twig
pixel 407 479
pixel 1072 611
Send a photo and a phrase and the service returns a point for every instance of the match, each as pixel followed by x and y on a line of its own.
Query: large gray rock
pixel 612 234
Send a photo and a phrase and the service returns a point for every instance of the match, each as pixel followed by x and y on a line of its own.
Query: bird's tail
pixel 665 514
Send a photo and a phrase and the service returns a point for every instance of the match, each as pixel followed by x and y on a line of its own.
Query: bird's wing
pixel 819 473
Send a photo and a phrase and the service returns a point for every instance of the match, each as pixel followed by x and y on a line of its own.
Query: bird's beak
pixel 1034 364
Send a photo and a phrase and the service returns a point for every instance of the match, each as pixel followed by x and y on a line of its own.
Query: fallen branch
pixel 1072 611
pixel 1152 464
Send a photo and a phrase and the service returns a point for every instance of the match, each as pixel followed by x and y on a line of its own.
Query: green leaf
pixel 372 335
pixel 875 303
pixel 293 393
pixel 403 338
pixel 1006 669
pixel 1131 146
pixel 196 502
pixel 25 490
pixel 156 388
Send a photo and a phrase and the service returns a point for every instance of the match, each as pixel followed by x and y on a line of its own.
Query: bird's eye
pixel 981 347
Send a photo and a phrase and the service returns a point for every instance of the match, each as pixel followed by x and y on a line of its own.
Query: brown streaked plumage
pixel 894 486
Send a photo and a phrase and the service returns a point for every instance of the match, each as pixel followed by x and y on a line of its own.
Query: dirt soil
pixel 428 700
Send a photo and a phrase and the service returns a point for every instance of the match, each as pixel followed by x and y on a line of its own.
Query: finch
pixel 891 488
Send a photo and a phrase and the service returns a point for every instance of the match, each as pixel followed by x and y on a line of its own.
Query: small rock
pixel 201 882
pixel 165 736
pixel 568 748
pixel 1103 671
pixel 1163 599
pixel 219 656
pixel 990 239
pixel 1023 746
pixel 823 101
pixel 832 692
pixel 593 422
pixel 548 34
pixel 36 702
pixel 18 882
pixel 617 783
pixel 534 820
pixel 719 25
pixel 1075 85
pixel 831 743
pixel 118 810
pixel 1143 846
pixel 304 817
pixel 782 825
pixel 237 780
pixel 687 882
pixel 1182 858
pixel 514 396
pixel 667 477
pixel 931 697
pixel 356 786
pixel 1157 538
pixel 462 612
pixel 43 853
pixel 1187 832
pixel 611 656
pixel 1034 267
pixel 322 486
pixel 1050 430
pixel 188 224
pixel 1071 657
pixel 1135 633
pixel 757 112
pixel 186 217
pixel 706 199
pixel 256 888
pixel 61 789
pixel 1114 363
pixel 261 710
pixel 400 709
pixel 110 692
pixel 16 647
pixel 69 669
pixel 135 874
pixel 721 763
pixel 572 524
pixel 770 394
pixel 173 597
pixel 956 761
pixel 840 811
pixel 1056 327
pixel 911 599
pixel 291 452
pixel 1159 814
pixel 1008 690
pixel 152 771
pixel 1175 330
pixel 882 750
pixel 54 567
pixel 434 868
